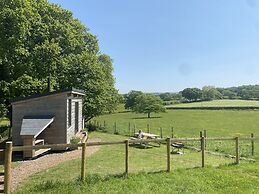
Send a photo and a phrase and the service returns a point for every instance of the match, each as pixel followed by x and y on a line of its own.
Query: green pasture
pixel 146 173
pixel 189 123
pixel 186 123
pixel 219 103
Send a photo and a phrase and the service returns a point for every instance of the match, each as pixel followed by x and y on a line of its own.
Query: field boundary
pixel 214 108
pixel 10 149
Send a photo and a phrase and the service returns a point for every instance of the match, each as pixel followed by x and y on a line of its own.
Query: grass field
pixel 105 173
pixel 220 103
pixel 188 123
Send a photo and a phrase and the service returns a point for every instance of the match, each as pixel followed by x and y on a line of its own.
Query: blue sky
pixel 168 45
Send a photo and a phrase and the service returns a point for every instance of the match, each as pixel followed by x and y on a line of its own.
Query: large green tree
pixel 147 104
pixel 210 93
pixel 39 39
pixel 130 98
pixel 192 94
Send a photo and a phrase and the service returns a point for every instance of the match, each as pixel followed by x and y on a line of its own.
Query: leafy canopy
pixel 148 104
pixel 38 39
pixel 192 94
pixel 131 98
pixel 210 93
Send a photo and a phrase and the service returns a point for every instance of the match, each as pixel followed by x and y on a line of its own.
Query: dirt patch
pixel 30 167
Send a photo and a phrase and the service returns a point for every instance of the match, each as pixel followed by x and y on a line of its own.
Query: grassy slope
pixel 184 178
pixel 188 123
pixel 219 103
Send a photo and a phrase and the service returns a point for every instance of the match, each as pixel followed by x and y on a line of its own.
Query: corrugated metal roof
pixel 34 125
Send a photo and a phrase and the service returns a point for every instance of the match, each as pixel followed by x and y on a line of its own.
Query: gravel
pixel 30 167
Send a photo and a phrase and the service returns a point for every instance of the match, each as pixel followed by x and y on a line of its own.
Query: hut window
pixel 69 112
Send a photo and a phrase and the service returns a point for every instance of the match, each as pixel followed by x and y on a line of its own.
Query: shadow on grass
pixel 141 146
pixel 147 117
pixel 124 111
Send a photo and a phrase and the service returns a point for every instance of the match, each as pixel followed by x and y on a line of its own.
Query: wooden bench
pixel 40 151
pixel 39 142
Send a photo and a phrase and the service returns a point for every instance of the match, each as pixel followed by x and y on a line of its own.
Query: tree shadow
pixel 141 146
pixel 157 117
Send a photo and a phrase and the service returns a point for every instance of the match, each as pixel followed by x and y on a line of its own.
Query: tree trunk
pixel 148 115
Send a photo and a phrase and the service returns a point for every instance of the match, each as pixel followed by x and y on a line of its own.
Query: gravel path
pixel 30 167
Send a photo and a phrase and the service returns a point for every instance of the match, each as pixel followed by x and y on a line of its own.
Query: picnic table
pixel 146 136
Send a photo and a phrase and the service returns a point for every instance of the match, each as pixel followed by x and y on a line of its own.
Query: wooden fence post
pixel 172 131
pixel 252 143
pixel 134 129
pixel 7 167
pixel 126 158
pixel 237 150
pixel 202 152
pixel 83 161
pixel 168 141
pixel 201 137
pixel 205 136
pixel 129 130
pixel 104 124
pixel 148 128
pixel 115 127
pixel 161 132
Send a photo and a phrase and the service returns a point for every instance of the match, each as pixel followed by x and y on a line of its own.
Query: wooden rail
pixel 9 149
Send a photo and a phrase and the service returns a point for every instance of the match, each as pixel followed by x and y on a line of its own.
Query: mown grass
pixel 188 123
pixel 219 103
pixel 209 180
pixel 105 173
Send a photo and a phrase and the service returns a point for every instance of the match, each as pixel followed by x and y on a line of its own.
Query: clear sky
pixel 168 45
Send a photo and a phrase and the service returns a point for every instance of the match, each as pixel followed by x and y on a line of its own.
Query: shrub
pixel 75 140
pixel 93 127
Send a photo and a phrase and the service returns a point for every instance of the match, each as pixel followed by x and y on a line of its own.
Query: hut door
pixel 76 116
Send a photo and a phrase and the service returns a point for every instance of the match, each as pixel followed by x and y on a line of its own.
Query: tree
pixel 192 94
pixel 39 39
pixel 166 96
pixel 130 99
pixel 148 104
pixel 229 94
pixel 210 93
